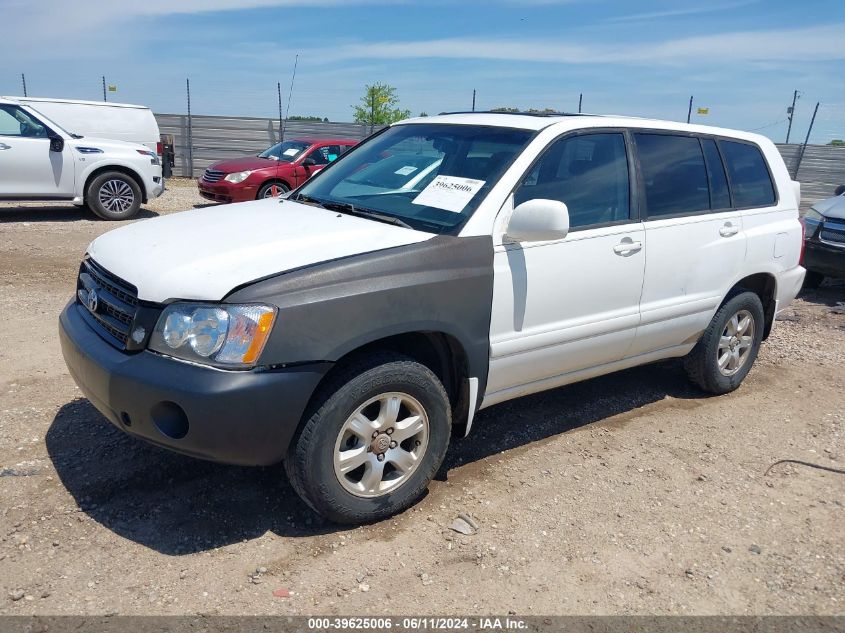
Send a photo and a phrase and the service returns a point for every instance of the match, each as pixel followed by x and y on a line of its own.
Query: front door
pixel 314 161
pixel 569 305
pixel 28 168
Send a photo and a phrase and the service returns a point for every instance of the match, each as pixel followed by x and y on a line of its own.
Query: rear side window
pixel 674 173
pixel 589 173
pixel 751 183
pixel 720 197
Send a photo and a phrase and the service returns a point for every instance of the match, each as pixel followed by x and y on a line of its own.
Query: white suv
pixel 352 328
pixel 41 161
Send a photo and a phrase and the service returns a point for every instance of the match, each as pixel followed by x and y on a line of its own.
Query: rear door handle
pixel 627 247
pixel 4 146
pixel 728 230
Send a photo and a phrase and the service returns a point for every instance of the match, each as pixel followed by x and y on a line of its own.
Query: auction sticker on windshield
pixel 449 193
pixel 291 152
pixel 406 171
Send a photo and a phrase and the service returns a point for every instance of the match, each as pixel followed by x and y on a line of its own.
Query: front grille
pixel 213 175
pixel 834 235
pixel 109 302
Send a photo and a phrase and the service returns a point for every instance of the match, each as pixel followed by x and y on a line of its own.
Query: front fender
pixel 444 285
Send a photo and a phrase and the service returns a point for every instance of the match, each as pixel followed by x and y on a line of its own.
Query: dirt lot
pixel 632 493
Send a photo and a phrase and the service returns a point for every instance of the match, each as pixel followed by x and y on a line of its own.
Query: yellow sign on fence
pixel 112 88
pixel 704 110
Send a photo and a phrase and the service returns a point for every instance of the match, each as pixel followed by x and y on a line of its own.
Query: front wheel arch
pixel 126 171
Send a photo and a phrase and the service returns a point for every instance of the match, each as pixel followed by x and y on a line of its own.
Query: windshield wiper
pixel 351 209
pixel 301 197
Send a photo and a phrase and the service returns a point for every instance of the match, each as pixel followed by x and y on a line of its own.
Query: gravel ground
pixel 630 493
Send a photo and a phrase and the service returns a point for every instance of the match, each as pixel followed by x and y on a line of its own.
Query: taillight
pixel 158 148
pixel 803 237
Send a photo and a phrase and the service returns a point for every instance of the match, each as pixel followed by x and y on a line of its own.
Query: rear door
pixel 27 166
pixel 694 235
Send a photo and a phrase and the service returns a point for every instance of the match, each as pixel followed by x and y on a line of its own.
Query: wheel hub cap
pixel 381 445
pixel 736 343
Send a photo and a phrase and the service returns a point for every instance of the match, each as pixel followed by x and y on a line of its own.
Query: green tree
pixel 505 109
pixel 307 118
pixel 837 142
pixel 379 106
pixel 422 114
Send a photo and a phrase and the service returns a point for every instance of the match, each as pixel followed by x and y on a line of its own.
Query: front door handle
pixel 627 247
pixel 728 230
pixel 4 146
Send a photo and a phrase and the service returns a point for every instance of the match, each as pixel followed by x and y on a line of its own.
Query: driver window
pixel 588 172
pixel 16 122
pixel 320 156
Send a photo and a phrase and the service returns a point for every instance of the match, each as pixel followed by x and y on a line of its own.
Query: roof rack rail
pixel 538 114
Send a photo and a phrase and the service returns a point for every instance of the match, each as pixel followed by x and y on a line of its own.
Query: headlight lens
pixel 223 335
pixel 813 215
pixel 238 176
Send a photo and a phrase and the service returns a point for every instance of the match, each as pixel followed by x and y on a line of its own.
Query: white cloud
pixel 689 10
pixel 788 45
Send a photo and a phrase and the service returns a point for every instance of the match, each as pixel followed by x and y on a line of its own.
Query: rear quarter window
pixel 674 174
pixel 751 183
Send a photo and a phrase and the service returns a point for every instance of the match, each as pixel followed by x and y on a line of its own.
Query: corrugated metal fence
pixel 218 138
pixel 821 170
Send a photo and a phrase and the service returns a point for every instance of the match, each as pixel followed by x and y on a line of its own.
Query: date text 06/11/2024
pixel 418 624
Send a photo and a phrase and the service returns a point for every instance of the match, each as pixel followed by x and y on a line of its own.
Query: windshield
pixel 428 176
pixel 287 151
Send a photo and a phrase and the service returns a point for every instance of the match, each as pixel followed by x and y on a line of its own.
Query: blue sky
pixel 740 58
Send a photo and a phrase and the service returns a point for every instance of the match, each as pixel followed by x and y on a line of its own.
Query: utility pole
pixel 190 132
pixel 689 112
pixel 804 146
pixel 23 81
pixel 372 109
pixel 791 113
pixel 580 101
pixel 473 100
pixel 104 89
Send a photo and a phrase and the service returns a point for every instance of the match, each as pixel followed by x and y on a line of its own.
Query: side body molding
pixel 444 284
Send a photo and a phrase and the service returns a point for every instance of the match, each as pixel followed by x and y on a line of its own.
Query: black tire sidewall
pixel 92 198
pixel 744 301
pixel 322 489
pixel 282 187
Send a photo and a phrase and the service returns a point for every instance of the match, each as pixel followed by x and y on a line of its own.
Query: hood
pixel 105 144
pixel 832 207
pixel 244 164
pixel 206 253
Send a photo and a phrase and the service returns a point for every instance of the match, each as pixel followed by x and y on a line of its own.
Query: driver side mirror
pixel 309 162
pixel 538 221
pixel 57 143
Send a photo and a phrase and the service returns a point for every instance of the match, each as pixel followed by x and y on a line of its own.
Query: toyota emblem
pixel 92 301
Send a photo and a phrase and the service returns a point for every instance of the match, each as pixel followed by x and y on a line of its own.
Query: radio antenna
pixel 290 95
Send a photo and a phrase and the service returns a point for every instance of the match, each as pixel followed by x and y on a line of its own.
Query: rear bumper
pixel 824 258
pixel 789 284
pixel 237 417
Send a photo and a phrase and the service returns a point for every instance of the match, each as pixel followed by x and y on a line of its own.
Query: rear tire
pixel 812 280
pixel 724 354
pixel 266 190
pixel 372 440
pixel 113 196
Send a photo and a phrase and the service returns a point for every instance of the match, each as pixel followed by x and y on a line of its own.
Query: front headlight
pixel 223 335
pixel 238 176
pixel 813 215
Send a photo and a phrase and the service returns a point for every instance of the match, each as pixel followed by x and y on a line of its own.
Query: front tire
pixel 723 356
pixel 373 440
pixel 113 196
pixel 272 190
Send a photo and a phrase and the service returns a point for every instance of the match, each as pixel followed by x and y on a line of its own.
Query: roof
pixel 562 121
pixel 108 104
pixel 320 139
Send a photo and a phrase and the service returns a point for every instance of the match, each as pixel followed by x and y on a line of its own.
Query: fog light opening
pixel 170 420
pixel 124 417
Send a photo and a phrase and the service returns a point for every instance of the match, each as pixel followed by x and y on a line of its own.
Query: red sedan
pixel 274 171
